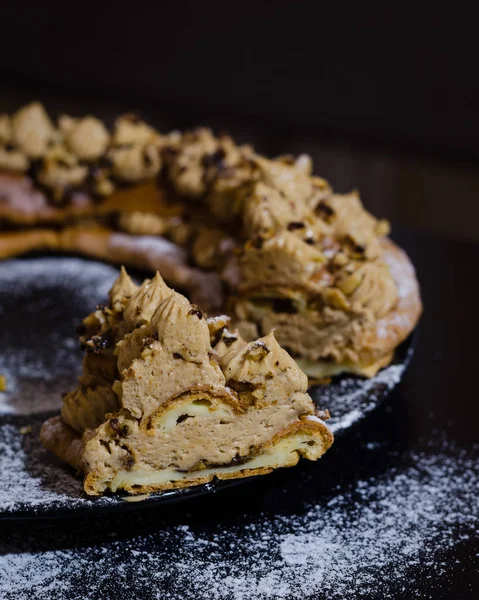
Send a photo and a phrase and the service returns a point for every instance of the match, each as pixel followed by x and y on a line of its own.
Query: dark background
pixel 385 99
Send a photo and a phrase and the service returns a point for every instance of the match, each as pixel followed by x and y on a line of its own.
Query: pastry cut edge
pixel 309 438
pixel 195 401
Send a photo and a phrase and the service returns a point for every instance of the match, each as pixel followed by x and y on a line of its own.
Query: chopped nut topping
pixel 325 212
pixel 323 414
pixel 60 171
pixel 216 326
pixel 229 338
pixel 335 298
pixel 258 351
pixel 99 342
pixel 151 339
pixel 295 225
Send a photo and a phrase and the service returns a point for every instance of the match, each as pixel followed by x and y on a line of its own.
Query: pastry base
pixel 25 205
pixel 284 450
pixel 152 253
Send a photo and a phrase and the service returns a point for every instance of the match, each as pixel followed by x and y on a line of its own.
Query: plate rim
pixel 406 351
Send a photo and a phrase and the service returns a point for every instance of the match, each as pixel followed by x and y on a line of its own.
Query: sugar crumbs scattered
pixel 384 534
pixel 47 294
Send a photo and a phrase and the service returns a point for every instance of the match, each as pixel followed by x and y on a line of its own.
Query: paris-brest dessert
pixel 169 398
pixel 261 240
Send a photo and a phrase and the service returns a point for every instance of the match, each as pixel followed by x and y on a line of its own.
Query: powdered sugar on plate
pixel 42 300
pixel 30 476
pixel 384 534
pixel 350 399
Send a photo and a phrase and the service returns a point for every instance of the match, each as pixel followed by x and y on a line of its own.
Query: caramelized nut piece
pixel 258 351
pixel 335 298
pixel 349 283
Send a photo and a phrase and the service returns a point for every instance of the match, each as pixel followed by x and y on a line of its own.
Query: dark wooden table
pixel 438 399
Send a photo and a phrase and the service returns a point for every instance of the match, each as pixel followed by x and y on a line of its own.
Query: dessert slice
pixel 169 398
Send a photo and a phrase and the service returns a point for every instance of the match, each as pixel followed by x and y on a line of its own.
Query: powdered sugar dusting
pixel 402 272
pixel 30 476
pixel 158 247
pixel 403 319
pixel 43 300
pixel 350 399
pixel 384 534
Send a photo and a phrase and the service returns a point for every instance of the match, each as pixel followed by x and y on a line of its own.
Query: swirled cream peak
pixel 291 179
pixel 129 130
pixel 135 163
pixel 123 288
pixel 165 357
pixel 351 222
pixel 143 303
pixel 32 130
pixel 284 259
pixel 87 138
pixel 265 370
pixel 369 285
pixel 185 156
pixel 224 341
pixel 266 209
pixel 177 348
pixel 182 329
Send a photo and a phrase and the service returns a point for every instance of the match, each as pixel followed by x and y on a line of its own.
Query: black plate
pixel 41 302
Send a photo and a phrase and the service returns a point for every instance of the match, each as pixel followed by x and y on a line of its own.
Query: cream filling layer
pixel 197 408
pixel 285 453
pixel 318 369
